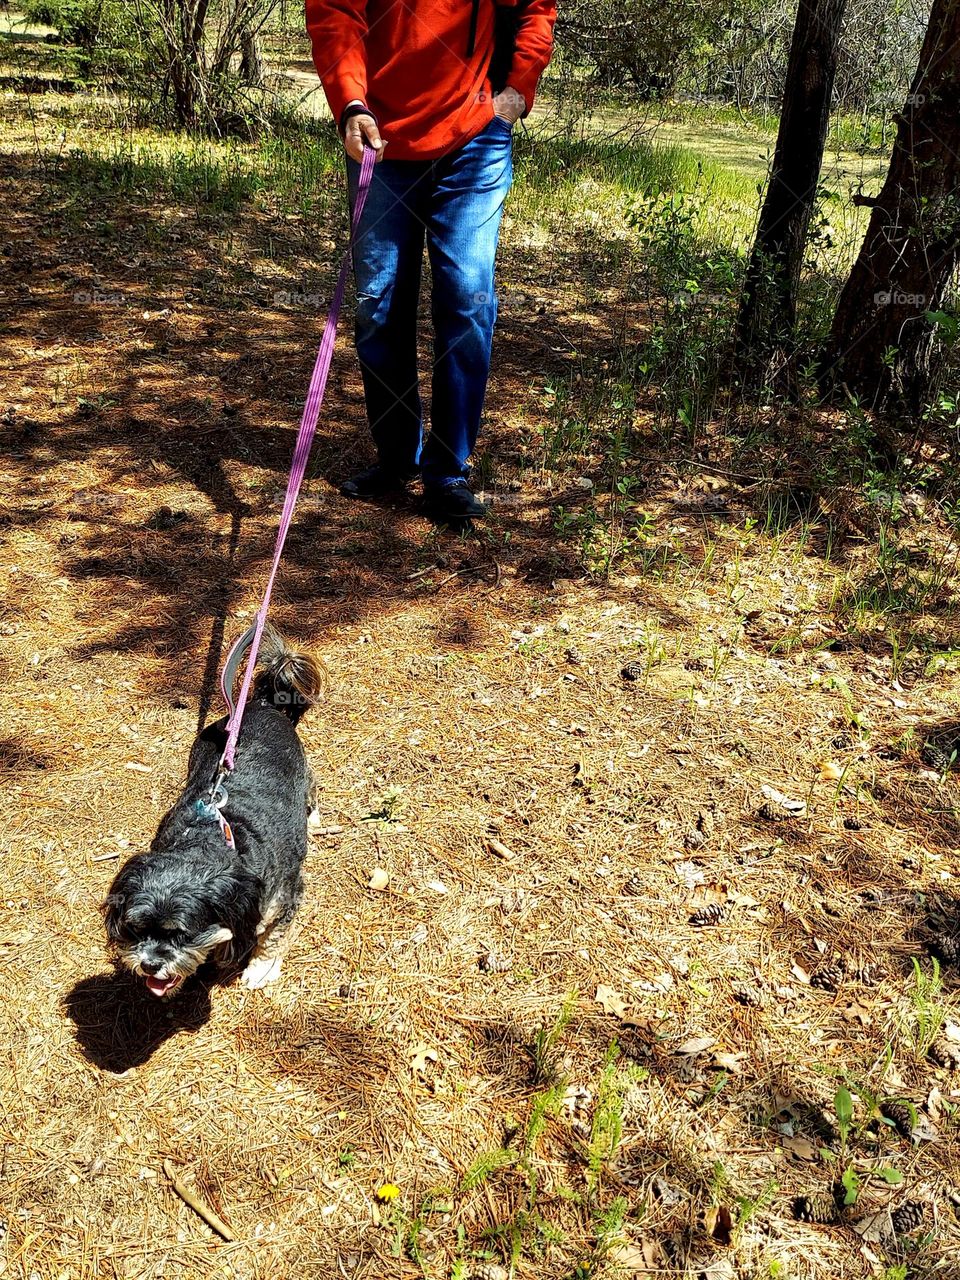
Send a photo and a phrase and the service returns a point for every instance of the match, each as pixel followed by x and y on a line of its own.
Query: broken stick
pixel 191 1199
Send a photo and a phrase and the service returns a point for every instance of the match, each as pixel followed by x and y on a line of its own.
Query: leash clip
pixel 218 792
pixel 211 810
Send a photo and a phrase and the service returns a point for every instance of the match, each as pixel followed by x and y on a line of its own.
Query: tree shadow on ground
pixel 205 402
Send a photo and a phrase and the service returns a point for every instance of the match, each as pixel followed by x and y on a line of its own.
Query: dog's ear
pixel 125 884
pixel 240 897
pixel 112 908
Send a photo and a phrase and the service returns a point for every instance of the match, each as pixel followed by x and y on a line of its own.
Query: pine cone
pixel 829 976
pixel 489 1271
pixel 946 1054
pixel 748 996
pixel 940 755
pixel 712 913
pixel 944 947
pixel 900 1116
pixel 492 961
pixel 908 1217
pixel 574 656
pixel 694 840
pixel 632 671
pixel 867 974
pixel 819 1208
pixel 633 884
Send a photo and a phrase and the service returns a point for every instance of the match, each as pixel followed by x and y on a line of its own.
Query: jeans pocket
pixel 504 124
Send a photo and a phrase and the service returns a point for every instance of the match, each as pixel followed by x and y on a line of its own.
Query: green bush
pixel 103 35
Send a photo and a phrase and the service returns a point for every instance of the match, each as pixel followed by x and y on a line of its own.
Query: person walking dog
pixel 435 87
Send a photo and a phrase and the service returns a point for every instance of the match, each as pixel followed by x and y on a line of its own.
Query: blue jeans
pixel 455 204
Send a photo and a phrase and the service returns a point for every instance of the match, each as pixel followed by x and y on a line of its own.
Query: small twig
pixel 472 568
pixel 500 849
pixel 106 857
pixel 193 1202
pixel 449 578
pixel 325 831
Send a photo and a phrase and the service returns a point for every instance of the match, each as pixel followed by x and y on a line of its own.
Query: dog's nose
pixel 150 966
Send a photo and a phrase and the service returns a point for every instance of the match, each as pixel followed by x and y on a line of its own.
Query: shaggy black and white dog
pixel 226 890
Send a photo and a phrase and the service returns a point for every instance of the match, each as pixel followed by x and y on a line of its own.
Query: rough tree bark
pixel 251 60
pixel 182 23
pixel 882 348
pixel 768 305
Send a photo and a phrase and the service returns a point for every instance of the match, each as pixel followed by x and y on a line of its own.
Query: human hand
pixel 360 131
pixel 509 105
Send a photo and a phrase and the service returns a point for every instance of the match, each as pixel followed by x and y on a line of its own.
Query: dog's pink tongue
pixel 159 986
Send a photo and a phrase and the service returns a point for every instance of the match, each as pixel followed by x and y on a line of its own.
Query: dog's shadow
pixel 120 1025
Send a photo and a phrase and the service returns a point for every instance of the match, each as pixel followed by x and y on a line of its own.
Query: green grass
pixel 545 1047
pixel 850 131
pixel 293 175
pixel 928 1011
pixel 595 182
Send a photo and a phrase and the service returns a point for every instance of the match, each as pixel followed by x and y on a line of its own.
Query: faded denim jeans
pixel 455 204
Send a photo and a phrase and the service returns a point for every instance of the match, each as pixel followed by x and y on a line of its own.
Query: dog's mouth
pixel 163 986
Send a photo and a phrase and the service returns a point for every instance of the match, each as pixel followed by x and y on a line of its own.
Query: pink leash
pixel 250 640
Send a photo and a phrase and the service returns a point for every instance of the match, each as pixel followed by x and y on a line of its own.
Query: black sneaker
pixel 377 481
pixel 453 502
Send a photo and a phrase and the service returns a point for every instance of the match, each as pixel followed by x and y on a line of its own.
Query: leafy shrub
pixel 103 34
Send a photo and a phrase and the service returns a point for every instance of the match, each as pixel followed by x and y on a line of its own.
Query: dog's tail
pixel 289 680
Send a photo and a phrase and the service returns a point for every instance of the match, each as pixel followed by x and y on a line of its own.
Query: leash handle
pixel 249 642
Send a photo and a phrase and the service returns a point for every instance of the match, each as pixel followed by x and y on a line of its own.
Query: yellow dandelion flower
pixel 387 1192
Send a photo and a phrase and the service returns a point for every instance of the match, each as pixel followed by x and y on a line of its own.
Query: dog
pixel 222 881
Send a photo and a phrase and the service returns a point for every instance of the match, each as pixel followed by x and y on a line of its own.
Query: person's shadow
pixel 120 1025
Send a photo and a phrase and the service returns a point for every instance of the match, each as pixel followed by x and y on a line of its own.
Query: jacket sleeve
pixel 337 29
pixel 534 44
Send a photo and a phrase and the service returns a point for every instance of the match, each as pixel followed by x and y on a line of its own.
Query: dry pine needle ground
pixel 630 935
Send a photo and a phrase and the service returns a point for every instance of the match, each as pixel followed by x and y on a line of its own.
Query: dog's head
pixel 167 912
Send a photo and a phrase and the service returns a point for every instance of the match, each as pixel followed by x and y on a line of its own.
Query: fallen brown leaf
pixel 610 1001
pixel 718 1222
pixel 876 1228
pixel 420 1055
pixel 643 1257
pixel 857 1012
pixel 731 1062
pixel 699 1044
pixel 800 1147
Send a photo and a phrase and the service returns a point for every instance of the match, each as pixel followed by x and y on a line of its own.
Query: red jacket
pixel 410 61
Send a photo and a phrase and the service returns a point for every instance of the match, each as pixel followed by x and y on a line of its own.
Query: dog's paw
pixel 261 972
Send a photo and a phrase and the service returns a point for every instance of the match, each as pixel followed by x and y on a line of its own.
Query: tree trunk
pixel 251 60
pixel 768 306
pixel 882 347
pixel 183 29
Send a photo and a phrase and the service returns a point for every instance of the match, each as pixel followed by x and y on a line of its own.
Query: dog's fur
pixel 192 898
